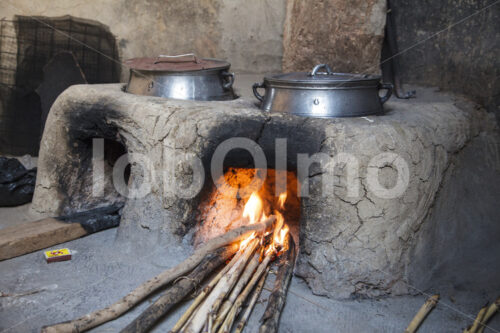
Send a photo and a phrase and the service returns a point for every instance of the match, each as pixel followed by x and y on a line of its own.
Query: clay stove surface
pixel 108 264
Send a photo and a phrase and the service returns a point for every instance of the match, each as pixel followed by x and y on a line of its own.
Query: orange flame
pixel 280 220
pixel 280 231
pixel 281 237
pixel 254 211
pixel 253 208
pixel 282 199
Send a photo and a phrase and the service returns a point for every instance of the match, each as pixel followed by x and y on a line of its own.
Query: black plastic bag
pixel 17 184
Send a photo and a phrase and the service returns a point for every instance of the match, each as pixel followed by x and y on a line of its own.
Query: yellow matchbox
pixel 57 255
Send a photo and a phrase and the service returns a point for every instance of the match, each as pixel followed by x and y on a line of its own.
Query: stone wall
pixel 347 35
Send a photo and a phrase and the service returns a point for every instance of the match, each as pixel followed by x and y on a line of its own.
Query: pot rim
pixel 183 73
pixel 143 65
pixel 366 81
pixel 323 79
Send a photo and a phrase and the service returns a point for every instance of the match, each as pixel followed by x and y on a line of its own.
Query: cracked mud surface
pixel 351 246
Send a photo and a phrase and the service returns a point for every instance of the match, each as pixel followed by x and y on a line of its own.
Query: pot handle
pixel 188 57
pixel 388 94
pixel 230 80
pixel 320 66
pixel 256 93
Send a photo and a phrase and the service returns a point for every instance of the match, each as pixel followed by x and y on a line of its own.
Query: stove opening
pixel 242 196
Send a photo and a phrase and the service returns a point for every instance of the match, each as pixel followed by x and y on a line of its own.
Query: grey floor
pixel 103 270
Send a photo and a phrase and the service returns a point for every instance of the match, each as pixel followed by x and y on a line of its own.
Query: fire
pixel 253 208
pixel 282 199
pixel 254 211
pixel 280 220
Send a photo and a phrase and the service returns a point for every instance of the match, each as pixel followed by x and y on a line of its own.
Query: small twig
pixel 429 304
pixel 25 293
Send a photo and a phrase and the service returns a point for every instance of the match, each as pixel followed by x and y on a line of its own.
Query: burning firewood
pixel 276 301
pixel 117 309
pixel 424 310
pixel 217 308
pixel 179 290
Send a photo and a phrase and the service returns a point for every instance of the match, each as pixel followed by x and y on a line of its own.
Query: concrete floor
pixel 104 269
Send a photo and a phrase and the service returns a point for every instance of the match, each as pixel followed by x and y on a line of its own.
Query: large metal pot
pixel 181 77
pixel 323 94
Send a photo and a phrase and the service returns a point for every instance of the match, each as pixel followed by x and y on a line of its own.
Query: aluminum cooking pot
pixel 181 77
pixel 323 93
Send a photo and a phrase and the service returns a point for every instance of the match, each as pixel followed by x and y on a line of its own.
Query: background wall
pixel 246 33
pixel 346 34
pixel 464 58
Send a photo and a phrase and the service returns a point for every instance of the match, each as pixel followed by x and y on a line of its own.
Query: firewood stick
pixel 188 315
pixel 492 309
pixel 424 310
pixel 238 304
pixel 179 290
pixel 215 298
pixel 242 282
pixel 251 304
pixel 475 325
pixel 115 310
pixel 271 317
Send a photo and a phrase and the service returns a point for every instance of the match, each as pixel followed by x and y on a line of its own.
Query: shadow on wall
pixel 27 45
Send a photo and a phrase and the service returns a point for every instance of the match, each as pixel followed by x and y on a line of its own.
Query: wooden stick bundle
pixel 251 304
pixel 126 303
pixel 208 288
pixel 179 291
pixel 238 304
pixel 276 301
pixel 242 282
pixel 214 299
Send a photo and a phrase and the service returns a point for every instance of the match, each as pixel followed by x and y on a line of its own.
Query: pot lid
pixel 322 77
pixel 179 63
